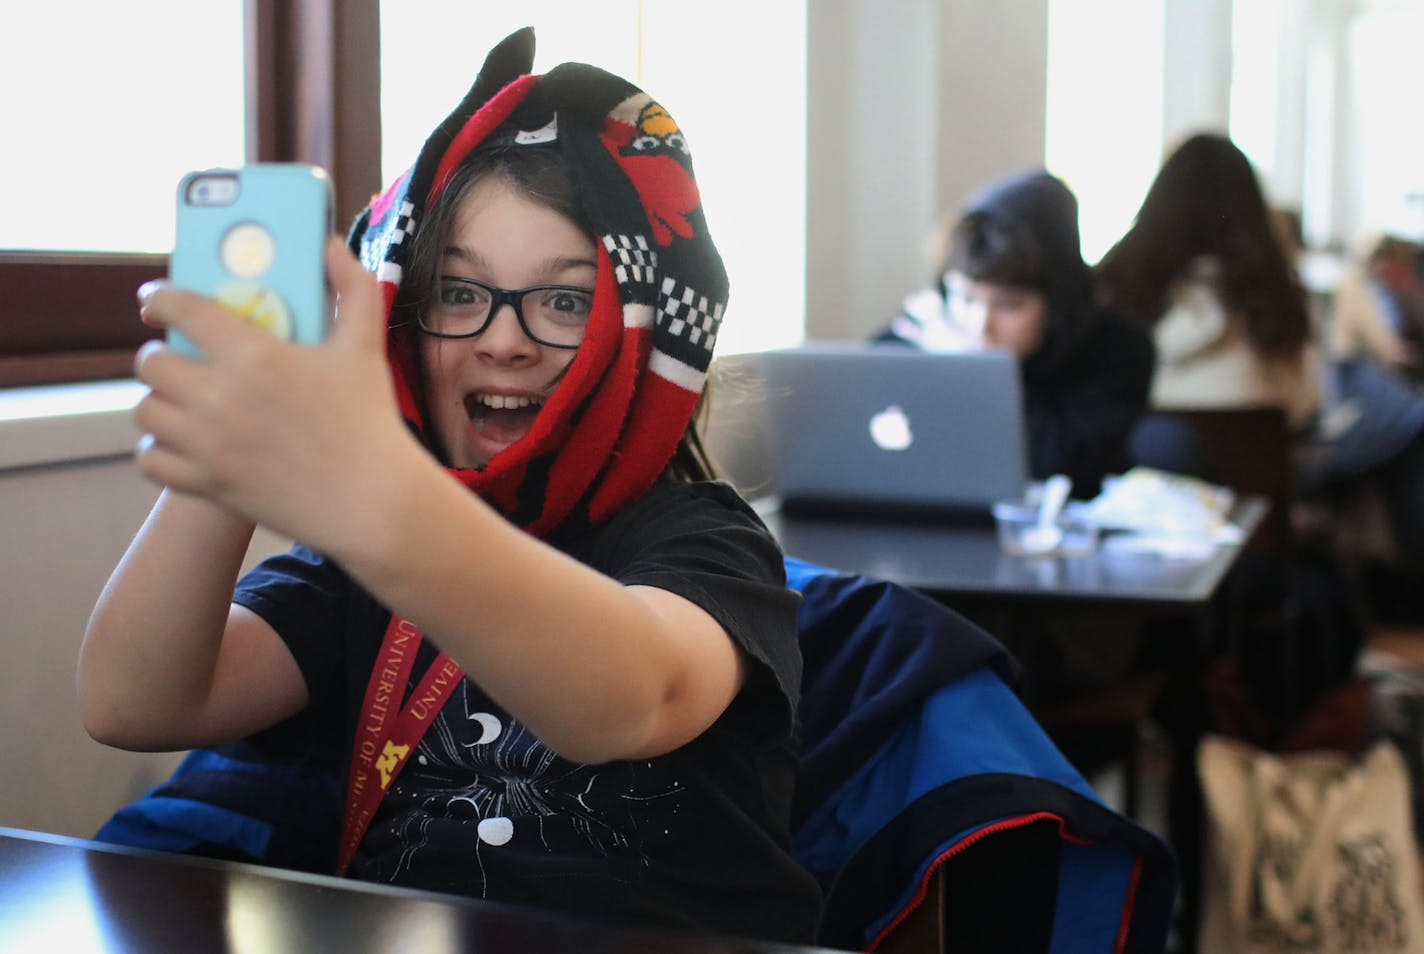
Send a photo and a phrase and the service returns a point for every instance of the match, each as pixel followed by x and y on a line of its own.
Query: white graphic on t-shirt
pixel 490 727
pixel 495 780
pixel 496 831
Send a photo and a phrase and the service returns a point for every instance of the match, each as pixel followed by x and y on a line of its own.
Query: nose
pixel 504 341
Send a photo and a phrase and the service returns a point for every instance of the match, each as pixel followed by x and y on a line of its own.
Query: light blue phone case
pixel 283 212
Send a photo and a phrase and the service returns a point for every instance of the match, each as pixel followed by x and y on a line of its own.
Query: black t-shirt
pixel 697 838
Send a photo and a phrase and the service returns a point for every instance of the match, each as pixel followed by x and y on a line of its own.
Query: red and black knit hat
pixel 614 421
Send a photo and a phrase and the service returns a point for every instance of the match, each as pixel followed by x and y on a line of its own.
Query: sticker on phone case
pixel 260 307
pixel 247 250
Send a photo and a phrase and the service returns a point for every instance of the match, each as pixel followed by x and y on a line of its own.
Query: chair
pixel 933 809
pixel 1246 449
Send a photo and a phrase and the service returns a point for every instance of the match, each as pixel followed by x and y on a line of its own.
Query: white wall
pixel 64 528
pixel 911 105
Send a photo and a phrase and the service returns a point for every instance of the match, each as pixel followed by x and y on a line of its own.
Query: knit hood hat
pixel 1046 209
pixel 611 425
pixel 1042 209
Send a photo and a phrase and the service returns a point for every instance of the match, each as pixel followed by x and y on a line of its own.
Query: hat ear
pixel 511 58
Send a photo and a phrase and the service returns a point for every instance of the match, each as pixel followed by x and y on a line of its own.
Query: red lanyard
pixel 383 745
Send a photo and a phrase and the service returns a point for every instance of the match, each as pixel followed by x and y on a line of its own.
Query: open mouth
pixel 502 418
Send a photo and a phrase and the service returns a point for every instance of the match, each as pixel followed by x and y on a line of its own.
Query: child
pixel 548 296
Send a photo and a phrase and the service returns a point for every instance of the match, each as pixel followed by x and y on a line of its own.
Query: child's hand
pixel 287 435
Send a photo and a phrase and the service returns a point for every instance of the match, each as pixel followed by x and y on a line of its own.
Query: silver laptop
pixel 876 429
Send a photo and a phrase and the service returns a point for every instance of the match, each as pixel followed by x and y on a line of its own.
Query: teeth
pixel 501 402
pixel 478 406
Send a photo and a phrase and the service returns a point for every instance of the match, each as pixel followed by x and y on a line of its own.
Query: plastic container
pixel 1020 534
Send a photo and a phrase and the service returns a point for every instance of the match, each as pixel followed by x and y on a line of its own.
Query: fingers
pixel 168 372
pixel 145 292
pixel 360 305
pixel 210 326
pixel 161 419
pixel 162 465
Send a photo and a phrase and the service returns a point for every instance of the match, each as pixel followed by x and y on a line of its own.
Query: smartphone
pixel 252 238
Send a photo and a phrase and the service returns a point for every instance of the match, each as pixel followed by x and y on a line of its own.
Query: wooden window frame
pixel 312 95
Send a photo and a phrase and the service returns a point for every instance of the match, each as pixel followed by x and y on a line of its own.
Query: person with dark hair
pixel 555 663
pixel 1377 309
pixel 1203 270
pixel 1013 276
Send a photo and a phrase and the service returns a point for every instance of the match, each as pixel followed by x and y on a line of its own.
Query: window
pixel 1104 135
pixel 124 110
pixel 1386 142
pixel 1255 79
pixel 103 169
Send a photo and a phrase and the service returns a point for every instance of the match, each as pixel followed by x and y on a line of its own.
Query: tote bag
pixel 1310 852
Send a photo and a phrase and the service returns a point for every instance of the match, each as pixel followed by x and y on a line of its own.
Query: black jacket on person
pixel 1089 380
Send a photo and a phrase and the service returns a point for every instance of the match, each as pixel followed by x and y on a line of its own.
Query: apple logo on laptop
pixel 890 429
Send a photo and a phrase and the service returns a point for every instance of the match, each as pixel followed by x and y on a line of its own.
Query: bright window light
pixel 1388 140
pixel 1255 79
pixel 1104 134
pixel 106 106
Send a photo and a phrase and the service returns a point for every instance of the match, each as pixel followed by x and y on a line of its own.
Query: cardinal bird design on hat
pixel 647 143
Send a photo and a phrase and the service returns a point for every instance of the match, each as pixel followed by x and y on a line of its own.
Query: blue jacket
pixel 918 756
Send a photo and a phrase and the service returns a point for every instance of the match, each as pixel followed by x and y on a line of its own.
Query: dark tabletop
pixel 70 896
pixel 949 559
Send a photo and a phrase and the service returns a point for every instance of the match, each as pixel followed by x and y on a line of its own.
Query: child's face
pixel 1002 316
pixel 482 393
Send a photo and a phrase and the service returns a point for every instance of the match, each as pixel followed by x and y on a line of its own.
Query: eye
pixel 644 143
pixel 566 304
pixel 454 294
pixel 676 141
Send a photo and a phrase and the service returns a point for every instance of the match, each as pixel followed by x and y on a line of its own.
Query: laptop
pixel 875 429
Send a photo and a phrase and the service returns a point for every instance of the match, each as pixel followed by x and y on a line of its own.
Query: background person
pixel 1378 306
pixel 1013 276
pixel 1202 270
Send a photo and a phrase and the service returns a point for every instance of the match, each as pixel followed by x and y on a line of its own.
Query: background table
pixel 954 559
pixel 68 896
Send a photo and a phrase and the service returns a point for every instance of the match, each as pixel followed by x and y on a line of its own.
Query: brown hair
pixel 1207 202
pixel 995 250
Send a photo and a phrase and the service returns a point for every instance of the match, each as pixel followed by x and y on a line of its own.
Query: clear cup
pixel 1020 534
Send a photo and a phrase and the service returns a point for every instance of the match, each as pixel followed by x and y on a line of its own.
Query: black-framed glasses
pixel 552 315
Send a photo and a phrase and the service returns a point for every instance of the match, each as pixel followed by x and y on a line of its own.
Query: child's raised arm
pixel 167 663
pixel 597 670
